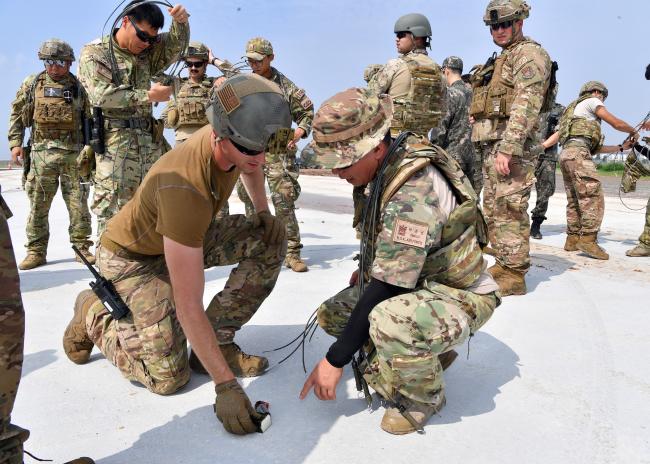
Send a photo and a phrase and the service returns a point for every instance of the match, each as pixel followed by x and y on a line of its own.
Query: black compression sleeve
pixel 356 333
pixel 645 151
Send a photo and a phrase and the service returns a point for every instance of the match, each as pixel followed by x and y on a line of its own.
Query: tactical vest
pixel 459 261
pixel 492 95
pixel 576 127
pixel 423 107
pixel 56 110
pixel 191 101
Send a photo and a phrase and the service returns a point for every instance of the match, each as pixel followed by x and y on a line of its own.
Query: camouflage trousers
pixel 12 336
pixel 48 168
pixel 645 235
pixel 505 206
pixel 129 155
pixel 544 185
pixel 282 176
pixel 409 331
pixel 585 199
pixel 477 182
pixel 148 345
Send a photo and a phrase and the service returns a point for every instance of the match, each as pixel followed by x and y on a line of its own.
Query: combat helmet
pixel 248 109
pixel 197 50
pixel 55 49
pixel 499 11
pixel 594 85
pixel 351 124
pixel 415 23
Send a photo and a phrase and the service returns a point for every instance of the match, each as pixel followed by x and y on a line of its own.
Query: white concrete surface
pixel 557 376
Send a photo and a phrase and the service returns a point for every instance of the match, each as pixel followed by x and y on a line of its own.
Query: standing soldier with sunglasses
pixel 414 80
pixel 54 105
pixel 510 91
pixel 281 169
pixel 116 71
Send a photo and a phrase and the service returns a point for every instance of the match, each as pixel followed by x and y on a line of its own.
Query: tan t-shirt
pixel 178 199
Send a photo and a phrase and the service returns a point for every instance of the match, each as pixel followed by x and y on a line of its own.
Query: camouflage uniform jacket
pixel 43 140
pixel 128 96
pixel 454 132
pixel 415 240
pixel 301 107
pixel 527 70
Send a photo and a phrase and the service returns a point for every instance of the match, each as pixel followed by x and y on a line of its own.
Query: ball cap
pixel 257 48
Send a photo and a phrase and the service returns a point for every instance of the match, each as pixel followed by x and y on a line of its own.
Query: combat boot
pixel 240 363
pixel 295 263
pixel 510 282
pixel 639 251
pixel 534 228
pixel 571 242
pixel 588 245
pixel 394 421
pixel 90 257
pixel 31 261
pixel 447 358
pixel 76 343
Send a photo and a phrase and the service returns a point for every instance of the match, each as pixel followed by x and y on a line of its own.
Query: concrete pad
pixel 556 376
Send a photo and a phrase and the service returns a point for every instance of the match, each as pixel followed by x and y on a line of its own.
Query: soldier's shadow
pixel 544 267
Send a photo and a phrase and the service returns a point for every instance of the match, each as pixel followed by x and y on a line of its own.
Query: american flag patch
pixel 228 98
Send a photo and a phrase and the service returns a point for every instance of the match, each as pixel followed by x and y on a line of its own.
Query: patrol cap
pixel 248 109
pixel 453 62
pixel 197 50
pixel 351 124
pixel 55 49
pixel 594 85
pixel 499 11
pixel 257 48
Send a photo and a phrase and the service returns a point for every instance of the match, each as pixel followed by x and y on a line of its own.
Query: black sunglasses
pixel 401 35
pixel 194 64
pixel 503 25
pixel 143 36
pixel 244 150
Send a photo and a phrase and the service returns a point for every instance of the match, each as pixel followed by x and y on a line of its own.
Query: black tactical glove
pixel 234 410
pixel 275 231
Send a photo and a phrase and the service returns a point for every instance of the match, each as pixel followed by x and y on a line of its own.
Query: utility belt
pixel 42 134
pixel 120 251
pixel 584 142
pixel 130 123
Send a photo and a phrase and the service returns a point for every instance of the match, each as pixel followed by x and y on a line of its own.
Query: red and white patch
pixel 410 233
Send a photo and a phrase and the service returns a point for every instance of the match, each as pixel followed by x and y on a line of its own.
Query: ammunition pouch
pixel 279 140
pixel 191 113
pixel 492 99
pixel 144 124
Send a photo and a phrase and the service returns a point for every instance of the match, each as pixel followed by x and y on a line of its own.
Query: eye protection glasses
pixel 503 25
pixel 50 62
pixel 244 150
pixel 143 36
pixel 195 64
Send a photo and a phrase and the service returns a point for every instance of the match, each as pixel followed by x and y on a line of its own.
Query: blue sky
pixel 324 46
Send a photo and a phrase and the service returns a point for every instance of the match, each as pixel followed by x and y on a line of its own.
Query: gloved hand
pixel 86 162
pixel 275 231
pixel 234 409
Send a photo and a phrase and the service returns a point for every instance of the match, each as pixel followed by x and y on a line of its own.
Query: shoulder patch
pixel 411 233
pixel 300 93
pixel 306 103
pixel 528 72
pixel 103 71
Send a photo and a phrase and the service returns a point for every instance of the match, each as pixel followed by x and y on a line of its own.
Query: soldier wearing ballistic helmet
pixel 281 170
pixel 422 276
pixel 413 80
pixel 154 251
pixel 54 105
pixel 454 131
pixel 510 91
pixel 581 138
